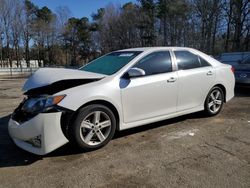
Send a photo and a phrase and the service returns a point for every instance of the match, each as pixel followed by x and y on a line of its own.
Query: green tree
pixel 147 22
pixel 173 16
pixel 43 27
pixel 27 23
pixel 78 37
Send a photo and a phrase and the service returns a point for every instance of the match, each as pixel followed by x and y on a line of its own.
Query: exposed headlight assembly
pixel 41 104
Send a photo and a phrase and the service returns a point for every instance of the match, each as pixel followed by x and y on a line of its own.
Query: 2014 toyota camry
pixel 117 91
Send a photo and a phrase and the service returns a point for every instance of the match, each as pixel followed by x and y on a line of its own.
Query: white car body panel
pixel 225 79
pixel 138 101
pixel 193 95
pixel 148 97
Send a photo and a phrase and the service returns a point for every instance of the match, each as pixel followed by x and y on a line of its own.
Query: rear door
pixel 196 77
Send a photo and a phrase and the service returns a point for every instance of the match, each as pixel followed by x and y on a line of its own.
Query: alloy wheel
pixel 215 101
pixel 95 128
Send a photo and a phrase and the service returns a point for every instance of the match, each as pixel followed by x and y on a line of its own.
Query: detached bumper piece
pixel 40 135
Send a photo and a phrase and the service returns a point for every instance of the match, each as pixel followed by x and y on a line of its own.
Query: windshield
pixel 110 63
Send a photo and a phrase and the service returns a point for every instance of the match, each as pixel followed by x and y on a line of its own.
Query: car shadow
pixel 11 155
pixel 155 125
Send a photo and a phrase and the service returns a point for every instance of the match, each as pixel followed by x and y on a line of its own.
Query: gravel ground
pixel 189 151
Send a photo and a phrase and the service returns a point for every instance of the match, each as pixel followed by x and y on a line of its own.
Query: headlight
pixel 37 105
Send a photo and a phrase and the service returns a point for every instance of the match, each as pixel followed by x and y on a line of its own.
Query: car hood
pixel 48 76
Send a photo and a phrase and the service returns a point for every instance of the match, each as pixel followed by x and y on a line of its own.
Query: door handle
pixel 209 73
pixel 172 79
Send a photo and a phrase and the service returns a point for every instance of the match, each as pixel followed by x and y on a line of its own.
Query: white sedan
pixel 117 91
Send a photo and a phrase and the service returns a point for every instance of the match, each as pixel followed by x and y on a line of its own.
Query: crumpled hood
pixel 46 76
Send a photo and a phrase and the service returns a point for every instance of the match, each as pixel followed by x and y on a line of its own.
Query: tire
pixel 214 101
pixel 93 127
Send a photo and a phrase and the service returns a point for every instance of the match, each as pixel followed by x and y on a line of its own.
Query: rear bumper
pixel 45 126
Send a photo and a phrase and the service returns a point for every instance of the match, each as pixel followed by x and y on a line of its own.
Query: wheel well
pixel 223 89
pixel 107 104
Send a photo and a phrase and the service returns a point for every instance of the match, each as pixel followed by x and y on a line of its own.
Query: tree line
pixel 55 38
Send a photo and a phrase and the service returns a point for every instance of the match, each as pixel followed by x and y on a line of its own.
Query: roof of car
pixel 156 48
pixel 212 61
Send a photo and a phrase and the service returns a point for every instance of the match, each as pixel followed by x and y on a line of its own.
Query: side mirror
pixel 135 72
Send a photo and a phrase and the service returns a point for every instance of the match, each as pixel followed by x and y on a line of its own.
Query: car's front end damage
pixel 40 134
pixel 39 125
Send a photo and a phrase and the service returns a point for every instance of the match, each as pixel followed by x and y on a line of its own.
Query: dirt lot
pixel 190 151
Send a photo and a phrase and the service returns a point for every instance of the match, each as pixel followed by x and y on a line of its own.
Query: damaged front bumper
pixel 40 135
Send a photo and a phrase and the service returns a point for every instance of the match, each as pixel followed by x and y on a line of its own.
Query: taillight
pixel 232 69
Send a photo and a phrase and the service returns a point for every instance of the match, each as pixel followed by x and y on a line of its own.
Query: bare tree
pixel 6 12
pixel 1 35
pixel 62 14
pixel 208 12
pixel 240 12
pixel 238 23
pixel 16 27
pixel 228 8
pixel 28 19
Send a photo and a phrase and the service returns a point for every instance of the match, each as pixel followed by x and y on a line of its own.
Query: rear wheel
pixel 93 128
pixel 214 101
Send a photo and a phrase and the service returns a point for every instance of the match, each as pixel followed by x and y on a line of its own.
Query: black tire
pixel 208 109
pixel 75 129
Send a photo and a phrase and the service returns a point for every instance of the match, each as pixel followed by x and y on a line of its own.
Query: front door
pixel 154 94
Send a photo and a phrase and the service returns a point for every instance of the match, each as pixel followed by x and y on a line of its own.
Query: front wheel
pixel 214 101
pixel 93 128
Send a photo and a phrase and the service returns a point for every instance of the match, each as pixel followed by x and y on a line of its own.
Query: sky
pixel 79 8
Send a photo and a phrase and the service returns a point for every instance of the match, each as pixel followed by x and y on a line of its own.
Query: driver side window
pixel 155 63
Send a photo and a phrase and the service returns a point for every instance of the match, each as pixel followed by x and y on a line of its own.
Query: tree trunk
pixel 27 51
pixel 228 26
pixel 1 53
pixel 247 40
pixel 238 26
pixel 165 40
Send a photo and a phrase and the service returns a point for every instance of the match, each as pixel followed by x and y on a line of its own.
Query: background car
pixel 240 62
pixel 242 71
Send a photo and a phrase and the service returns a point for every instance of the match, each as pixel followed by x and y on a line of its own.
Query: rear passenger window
pixel 187 60
pixel 156 63
pixel 203 62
